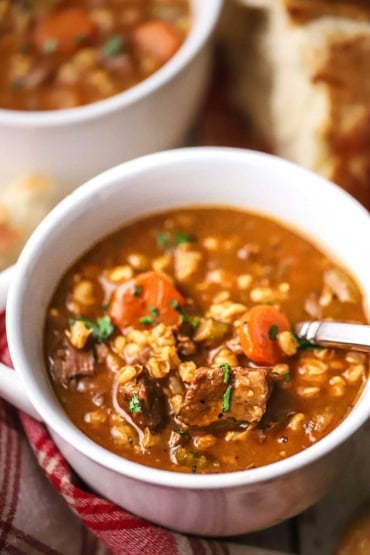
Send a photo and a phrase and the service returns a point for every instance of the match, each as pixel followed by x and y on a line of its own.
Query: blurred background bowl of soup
pixel 84 87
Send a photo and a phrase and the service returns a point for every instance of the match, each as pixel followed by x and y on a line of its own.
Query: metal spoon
pixel 342 335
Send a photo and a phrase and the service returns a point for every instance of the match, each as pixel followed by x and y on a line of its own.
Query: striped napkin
pixel 45 509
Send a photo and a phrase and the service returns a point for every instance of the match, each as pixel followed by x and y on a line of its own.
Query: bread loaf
pixel 23 204
pixel 303 78
pixel 356 540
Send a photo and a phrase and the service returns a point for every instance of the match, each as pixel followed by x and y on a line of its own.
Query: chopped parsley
pixel 226 399
pixel 184 316
pixel 113 46
pixel 134 404
pixel 180 431
pixel 150 319
pixel 305 344
pixel 287 377
pixel 273 331
pixel 105 328
pixel 137 291
pixel 163 240
pixel 227 375
pixel 102 329
pixel 147 320
pixel 154 310
pixel 195 322
pixel 182 237
pixel 50 46
pixel 180 309
pixel 178 238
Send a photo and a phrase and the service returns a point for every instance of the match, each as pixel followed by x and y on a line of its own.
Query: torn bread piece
pixel 23 204
pixel 303 70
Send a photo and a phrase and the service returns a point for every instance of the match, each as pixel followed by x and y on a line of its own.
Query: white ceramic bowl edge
pixel 252 180
pixel 72 145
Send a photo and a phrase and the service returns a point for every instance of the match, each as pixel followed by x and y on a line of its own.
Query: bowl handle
pixel 11 386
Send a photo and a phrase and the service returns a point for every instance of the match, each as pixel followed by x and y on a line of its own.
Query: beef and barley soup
pixel 66 53
pixel 170 342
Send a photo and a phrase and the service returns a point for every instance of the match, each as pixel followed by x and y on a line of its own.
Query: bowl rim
pixel 53 414
pixel 200 31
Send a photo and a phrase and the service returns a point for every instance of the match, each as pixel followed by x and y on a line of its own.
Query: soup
pixel 170 342
pixel 62 53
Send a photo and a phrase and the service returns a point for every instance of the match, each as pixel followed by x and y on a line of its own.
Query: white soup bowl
pixel 72 145
pixel 213 504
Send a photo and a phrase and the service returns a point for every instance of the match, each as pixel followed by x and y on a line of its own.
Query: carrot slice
pixel 158 39
pixel 258 332
pixel 63 31
pixel 147 299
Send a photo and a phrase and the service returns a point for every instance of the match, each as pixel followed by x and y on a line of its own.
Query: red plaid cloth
pixel 34 520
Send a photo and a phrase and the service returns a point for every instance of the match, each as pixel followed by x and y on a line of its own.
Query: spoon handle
pixel 336 334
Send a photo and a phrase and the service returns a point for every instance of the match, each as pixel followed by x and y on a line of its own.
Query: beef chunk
pixel 151 409
pixel 68 363
pixel 203 403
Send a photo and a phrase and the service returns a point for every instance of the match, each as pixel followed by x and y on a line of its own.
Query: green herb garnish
pixel 305 344
pixel 226 399
pixel 227 375
pixel 102 329
pixel 150 319
pixel 166 240
pixel 104 307
pixel 273 331
pixel 137 291
pixel 195 322
pixel 184 317
pixel 50 46
pixel 180 309
pixel 162 240
pixel 105 328
pixel 180 431
pixel 113 46
pixel 134 404
pixel 147 320
pixel 182 237
pixel 287 378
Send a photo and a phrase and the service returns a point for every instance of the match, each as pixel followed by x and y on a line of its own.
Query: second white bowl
pixel 75 144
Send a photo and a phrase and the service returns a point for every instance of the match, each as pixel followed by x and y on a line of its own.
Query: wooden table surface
pixel 317 530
